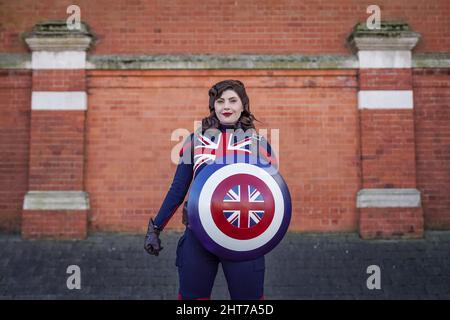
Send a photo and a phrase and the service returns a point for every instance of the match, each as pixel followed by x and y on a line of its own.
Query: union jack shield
pixel 239 211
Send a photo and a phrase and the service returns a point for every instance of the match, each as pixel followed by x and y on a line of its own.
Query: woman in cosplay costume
pixel 217 139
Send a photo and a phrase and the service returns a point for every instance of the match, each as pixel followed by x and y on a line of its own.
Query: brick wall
pixel 125 189
pixel 126 162
pixel 392 222
pixel 389 149
pixel 15 99
pixel 54 224
pixel 252 26
pixel 432 119
pixel 129 126
pixel 56 158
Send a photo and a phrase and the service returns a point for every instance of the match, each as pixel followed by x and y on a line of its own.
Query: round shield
pixel 239 211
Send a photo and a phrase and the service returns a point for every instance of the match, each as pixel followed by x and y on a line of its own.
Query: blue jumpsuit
pixel 197 267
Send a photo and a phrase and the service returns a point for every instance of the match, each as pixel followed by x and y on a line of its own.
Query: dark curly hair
pixel 246 119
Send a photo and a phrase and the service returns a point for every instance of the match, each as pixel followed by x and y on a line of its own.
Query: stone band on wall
pixel 388 198
pixel 66 100
pixel 56 200
pixel 385 99
pixel 394 59
pixel 58 60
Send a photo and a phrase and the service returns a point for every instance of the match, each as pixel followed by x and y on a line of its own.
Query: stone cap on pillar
pixel 56 200
pixel 54 35
pixel 392 35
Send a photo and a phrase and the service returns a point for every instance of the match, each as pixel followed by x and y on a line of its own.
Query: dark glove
pixel 152 242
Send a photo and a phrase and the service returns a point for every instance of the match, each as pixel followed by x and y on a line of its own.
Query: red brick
pixel 57 150
pixel 129 169
pixel 59 80
pixel 387 149
pixel 432 118
pixel 54 224
pixel 384 223
pixel 251 26
pixel 385 79
pixel 15 102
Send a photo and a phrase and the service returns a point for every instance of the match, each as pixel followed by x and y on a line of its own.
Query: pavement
pixel 302 266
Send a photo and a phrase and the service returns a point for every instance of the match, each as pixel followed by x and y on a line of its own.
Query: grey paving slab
pixel 303 266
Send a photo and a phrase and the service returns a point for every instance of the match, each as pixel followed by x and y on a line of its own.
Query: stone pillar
pixel 56 205
pixel 389 204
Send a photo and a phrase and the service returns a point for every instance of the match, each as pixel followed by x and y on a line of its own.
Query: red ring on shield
pixel 243 206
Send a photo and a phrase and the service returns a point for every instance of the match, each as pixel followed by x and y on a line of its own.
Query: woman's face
pixel 228 107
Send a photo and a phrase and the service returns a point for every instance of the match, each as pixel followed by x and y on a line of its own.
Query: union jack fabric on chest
pixel 207 148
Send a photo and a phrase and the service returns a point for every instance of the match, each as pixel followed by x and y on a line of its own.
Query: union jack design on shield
pixel 239 211
pixel 234 217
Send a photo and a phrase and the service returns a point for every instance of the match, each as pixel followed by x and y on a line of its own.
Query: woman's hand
pixel 152 242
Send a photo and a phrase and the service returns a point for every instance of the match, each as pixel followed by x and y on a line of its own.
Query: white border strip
pixel 56 200
pixel 385 99
pixel 385 59
pixel 58 60
pixel 52 100
pixel 388 198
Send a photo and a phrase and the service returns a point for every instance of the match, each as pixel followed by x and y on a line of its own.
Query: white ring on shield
pixel 204 207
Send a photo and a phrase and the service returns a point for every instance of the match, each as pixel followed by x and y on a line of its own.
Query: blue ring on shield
pixel 239 209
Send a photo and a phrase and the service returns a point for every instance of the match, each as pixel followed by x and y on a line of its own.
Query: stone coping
pixel 388 198
pixel 56 200
pixel 202 62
